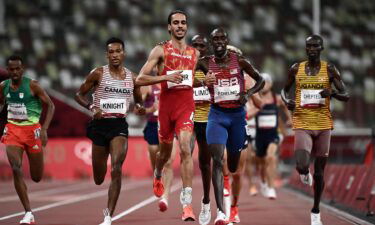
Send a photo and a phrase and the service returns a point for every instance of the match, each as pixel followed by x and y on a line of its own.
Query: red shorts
pixel 25 137
pixel 176 112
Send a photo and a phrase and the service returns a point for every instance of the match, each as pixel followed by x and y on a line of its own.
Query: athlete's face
pixel 313 47
pixel 219 41
pixel 178 26
pixel 15 69
pixel 201 45
pixel 115 54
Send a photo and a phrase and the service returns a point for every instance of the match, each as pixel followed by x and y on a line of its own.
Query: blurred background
pixel 61 41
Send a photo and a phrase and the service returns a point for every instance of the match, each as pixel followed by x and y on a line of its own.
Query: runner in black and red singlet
pixel 176 62
pixel 113 87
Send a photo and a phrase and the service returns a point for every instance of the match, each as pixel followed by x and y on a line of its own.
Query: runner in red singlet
pixel 176 63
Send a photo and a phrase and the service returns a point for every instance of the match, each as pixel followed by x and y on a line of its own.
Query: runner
pixel 113 87
pixel 226 120
pixel 23 133
pixel 176 62
pixel 312 119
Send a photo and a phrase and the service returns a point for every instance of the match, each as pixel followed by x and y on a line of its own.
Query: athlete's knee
pixel 232 167
pixel 204 166
pixel 36 178
pixel 16 169
pixel 302 161
pixel 116 170
pixel 98 180
pixel 217 161
pixel 271 159
pixel 185 153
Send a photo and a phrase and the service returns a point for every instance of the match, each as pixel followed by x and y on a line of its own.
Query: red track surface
pixel 81 209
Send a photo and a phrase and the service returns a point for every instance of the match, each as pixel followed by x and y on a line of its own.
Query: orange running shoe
pixel 234 218
pixel 187 213
pixel 226 186
pixel 158 187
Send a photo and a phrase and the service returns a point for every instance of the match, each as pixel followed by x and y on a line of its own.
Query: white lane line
pixel 77 199
pixel 144 203
pixel 46 192
pixel 332 210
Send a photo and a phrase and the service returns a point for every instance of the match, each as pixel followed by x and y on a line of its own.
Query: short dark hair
pixel 14 58
pixel 176 12
pixel 115 40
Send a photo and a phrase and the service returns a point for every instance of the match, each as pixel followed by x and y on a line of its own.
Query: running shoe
pixel 28 218
pixel 187 213
pixel 306 179
pixel 315 219
pixel 185 196
pixel 220 218
pixel 227 201
pixel 205 214
pixel 107 218
pixel 264 189
pixel 234 218
pixel 158 187
pixel 271 193
pixel 163 204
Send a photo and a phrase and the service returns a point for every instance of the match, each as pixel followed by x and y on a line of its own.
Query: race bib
pixel 267 121
pixel 202 94
pixel 17 111
pixel 311 98
pixel 228 93
pixel 187 78
pixel 113 105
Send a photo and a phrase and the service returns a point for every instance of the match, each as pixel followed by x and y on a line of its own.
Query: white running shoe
pixel 220 218
pixel 307 179
pixel 315 219
pixel 28 218
pixel 185 196
pixel 271 193
pixel 107 218
pixel 264 189
pixel 205 214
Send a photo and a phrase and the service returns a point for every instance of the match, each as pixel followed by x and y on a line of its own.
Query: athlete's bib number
pixel 17 111
pixel 187 78
pixel 311 98
pixel 228 93
pixel 267 121
pixel 202 94
pixel 113 105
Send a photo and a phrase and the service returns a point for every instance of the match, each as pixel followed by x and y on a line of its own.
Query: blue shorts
pixel 227 127
pixel 150 133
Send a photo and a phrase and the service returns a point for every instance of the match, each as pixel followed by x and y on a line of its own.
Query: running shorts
pixel 26 137
pixel 102 131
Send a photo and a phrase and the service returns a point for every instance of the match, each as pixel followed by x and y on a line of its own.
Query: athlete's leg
pixel 168 171
pixel 204 158
pixel 99 162
pixel 217 153
pixel 184 138
pixel 237 181
pixel 14 154
pixel 303 147
pixel 152 151
pixel 249 168
pixel 118 149
pixel 270 164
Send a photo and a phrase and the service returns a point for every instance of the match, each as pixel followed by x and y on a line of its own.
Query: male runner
pixel 267 136
pixel 113 87
pixel 202 107
pixel 312 119
pixel 176 62
pixel 226 120
pixel 23 132
pixel 151 94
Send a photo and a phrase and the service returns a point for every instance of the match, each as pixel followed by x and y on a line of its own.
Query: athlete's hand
pixel 325 93
pixel 210 78
pixel 44 137
pixel 175 77
pixel 291 104
pixel 139 110
pixel 244 97
pixel 97 113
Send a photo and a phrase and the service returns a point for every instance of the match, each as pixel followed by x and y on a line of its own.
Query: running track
pixel 81 203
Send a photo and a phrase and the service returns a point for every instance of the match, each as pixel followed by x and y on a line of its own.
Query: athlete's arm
pixel 209 79
pixel 2 99
pixel 340 93
pixel 285 110
pixel 257 101
pixel 39 92
pixel 291 104
pixel 154 59
pixel 137 95
pixel 92 80
pixel 253 73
